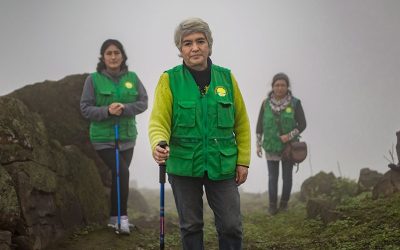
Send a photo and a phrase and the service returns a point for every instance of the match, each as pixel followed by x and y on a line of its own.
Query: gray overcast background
pixel 342 56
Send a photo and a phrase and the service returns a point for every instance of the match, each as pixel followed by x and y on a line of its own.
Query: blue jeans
pixel 223 198
pixel 273 174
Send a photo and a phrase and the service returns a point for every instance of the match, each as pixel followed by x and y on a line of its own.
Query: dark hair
pixel 101 65
pixel 280 76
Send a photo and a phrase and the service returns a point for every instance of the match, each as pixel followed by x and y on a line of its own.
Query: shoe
pixel 124 225
pixel 113 222
pixel 272 210
pixel 283 206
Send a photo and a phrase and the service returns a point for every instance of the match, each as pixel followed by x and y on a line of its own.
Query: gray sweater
pixel 90 111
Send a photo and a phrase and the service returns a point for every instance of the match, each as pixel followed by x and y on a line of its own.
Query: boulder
pixel 315 186
pixel 368 179
pixel 387 185
pixel 48 188
pixel 9 206
pixel 137 202
pixel 5 240
pixel 57 103
pixel 51 179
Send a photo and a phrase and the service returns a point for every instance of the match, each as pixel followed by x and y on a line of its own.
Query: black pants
pixel 125 158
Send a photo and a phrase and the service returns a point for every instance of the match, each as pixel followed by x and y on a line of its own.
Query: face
pixel 280 88
pixel 112 58
pixel 195 51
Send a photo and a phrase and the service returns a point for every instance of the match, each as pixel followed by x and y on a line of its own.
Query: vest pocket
pixel 129 96
pixel 228 159
pixel 132 130
pixel 225 114
pixel 186 114
pixel 101 131
pixel 180 162
pixel 104 96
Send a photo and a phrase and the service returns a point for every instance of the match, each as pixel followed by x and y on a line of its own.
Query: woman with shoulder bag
pixel 280 121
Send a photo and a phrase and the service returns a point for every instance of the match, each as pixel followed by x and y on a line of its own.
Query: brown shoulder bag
pixel 295 152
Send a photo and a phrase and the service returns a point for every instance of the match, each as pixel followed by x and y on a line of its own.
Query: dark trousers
pixel 125 158
pixel 223 198
pixel 273 174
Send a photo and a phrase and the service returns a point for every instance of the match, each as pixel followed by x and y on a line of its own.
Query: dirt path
pixel 145 235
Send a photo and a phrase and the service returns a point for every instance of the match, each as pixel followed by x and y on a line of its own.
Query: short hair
pixel 107 43
pixel 189 26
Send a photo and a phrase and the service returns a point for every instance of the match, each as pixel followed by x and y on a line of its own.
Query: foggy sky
pixel 343 58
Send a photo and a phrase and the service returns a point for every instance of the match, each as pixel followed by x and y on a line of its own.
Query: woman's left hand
pixel 284 138
pixel 116 108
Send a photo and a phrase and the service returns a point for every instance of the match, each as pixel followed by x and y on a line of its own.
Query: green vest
pixel 107 92
pixel 202 137
pixel 272 142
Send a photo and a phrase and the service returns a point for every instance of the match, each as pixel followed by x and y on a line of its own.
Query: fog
pixel 343 58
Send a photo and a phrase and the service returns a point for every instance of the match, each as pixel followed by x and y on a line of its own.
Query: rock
pixel 59 109
pixel 57 187
pixel 9 206
pixel 320 184
pixel 51 179
pixel 137 202
pixel 24 243
pixel 368 179
pixel 387 185
pixel 5 240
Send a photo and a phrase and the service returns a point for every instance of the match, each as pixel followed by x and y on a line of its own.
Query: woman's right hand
pixel 116 108
pixel 160 154
pixel 259 151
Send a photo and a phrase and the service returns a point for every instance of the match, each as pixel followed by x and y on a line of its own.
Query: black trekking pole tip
pixel 163 144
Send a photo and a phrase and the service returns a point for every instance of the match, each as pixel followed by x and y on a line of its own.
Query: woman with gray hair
pixel 199 110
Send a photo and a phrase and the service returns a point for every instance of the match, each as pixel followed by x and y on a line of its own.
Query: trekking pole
pixel 162 166
pixel 116 130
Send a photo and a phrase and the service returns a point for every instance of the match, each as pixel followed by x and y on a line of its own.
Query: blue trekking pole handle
pixel 116 131
pixel 162 171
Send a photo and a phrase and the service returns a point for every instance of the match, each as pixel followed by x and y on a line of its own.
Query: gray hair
pixel 192 25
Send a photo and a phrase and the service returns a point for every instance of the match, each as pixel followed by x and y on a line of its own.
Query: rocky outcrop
pixel 46 188
pixel 368 179
pixel 57 103
pixel 323 192
pixel 5 240
pixel 51 180
pixel 320 184
pixel 387 185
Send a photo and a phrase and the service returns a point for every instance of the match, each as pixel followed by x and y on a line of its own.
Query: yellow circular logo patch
pixel 128 85
pixel 288 110
pixel 221 91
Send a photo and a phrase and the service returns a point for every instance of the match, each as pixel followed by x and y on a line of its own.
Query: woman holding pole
pixel 111 98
